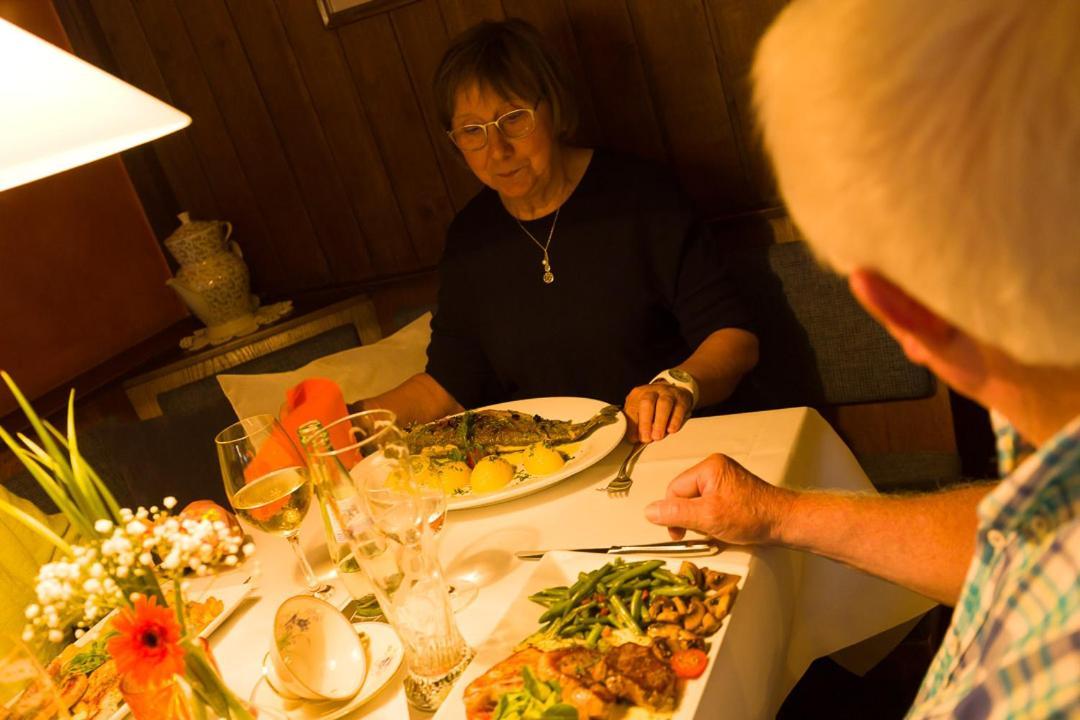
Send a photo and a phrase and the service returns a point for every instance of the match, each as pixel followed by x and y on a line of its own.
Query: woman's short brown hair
pixel 512 59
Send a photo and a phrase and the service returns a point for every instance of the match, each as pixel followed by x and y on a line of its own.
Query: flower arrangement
pixel 123 560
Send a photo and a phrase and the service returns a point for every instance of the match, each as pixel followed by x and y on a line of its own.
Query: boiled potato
pixel 542 460
pixel 453 475
pixel 423 472
pixel 490 474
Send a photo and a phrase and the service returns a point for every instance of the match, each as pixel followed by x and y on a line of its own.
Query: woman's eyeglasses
pixel 513 125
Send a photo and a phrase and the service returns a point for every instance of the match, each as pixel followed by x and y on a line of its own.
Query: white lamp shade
pixel 58 112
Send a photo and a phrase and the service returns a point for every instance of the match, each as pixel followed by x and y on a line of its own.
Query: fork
pixel 620 485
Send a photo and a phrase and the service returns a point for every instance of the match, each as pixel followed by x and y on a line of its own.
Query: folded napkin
pixel 312 399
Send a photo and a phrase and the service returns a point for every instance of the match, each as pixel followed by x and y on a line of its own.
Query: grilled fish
pixel 490 430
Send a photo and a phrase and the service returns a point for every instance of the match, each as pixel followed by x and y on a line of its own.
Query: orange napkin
pixel 314 399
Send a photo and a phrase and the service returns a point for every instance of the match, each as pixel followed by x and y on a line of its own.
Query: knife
pixel 686 548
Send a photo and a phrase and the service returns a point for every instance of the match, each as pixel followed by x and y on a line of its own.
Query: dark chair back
pixel 818 346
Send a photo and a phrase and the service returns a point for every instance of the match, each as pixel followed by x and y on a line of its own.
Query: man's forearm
pixel 923 542
pixel 720 362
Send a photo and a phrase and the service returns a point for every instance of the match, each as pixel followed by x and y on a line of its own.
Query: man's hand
pixel 720 498
pixel 655 411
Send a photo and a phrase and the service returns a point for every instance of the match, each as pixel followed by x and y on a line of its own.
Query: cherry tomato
pixel 689 663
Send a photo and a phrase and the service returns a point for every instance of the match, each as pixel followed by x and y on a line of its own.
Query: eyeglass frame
pixel 532 116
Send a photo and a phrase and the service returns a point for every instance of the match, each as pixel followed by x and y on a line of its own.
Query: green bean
pixel 594 635
pixel 662 574
pixel 676 591
pixel 571 630
pixel 555 611
pixel 638 584
pixel 643 569
pixel 635 606
pixel 623 614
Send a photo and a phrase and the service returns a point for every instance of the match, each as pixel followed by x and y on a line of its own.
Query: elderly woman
pixel 574 271
pixel 929 151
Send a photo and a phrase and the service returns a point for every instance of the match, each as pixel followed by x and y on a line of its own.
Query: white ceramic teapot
pixel 213 280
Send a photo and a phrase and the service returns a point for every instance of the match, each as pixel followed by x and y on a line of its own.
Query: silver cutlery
pixel 620 485
pixel 686 548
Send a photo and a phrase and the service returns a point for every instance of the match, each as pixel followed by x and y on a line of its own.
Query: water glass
pixel 383 519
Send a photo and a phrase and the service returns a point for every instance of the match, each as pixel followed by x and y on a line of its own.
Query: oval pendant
pixel 548 278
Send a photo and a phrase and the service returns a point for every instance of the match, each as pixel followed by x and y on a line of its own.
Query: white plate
pixel 593 449
pixel 384 655
pixel 521 620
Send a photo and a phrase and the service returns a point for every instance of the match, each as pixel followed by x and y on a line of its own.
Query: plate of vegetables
pixel 595 640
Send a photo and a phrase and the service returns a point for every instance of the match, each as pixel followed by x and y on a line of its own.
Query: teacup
pixel 316 654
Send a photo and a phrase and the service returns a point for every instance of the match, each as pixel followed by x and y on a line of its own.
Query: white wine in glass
pixel 266 481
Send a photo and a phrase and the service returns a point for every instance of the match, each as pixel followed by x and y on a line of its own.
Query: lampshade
pixel 58 112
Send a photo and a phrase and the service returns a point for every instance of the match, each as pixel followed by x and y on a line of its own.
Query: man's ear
pixel 918 329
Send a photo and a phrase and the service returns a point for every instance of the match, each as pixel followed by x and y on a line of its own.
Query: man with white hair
pixel 930 151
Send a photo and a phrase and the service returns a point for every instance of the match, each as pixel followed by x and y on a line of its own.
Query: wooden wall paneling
pixel 462 14
pixel 615 78
pixel 689 99
pixel 353 147
pixel 189 91
pixel 386 90
pixel 135 61
pixel 259 146
pixel 422 37
pixel 553 22
pixel 291 112
pixel 736 27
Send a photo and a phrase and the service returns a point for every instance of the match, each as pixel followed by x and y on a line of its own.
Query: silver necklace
pixel 546 262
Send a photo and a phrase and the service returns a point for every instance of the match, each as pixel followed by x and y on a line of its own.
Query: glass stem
pixel 309 575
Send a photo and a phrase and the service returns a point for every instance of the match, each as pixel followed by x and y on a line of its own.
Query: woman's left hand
pixel 656 410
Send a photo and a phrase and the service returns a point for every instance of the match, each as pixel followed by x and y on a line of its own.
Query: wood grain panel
pixel 736 26
pixel 135 59
pixel 615 77
pixel 462 14
pixel 553 22
pixel 191 93
pixel 350 137
pixel 258 145
pixel 301 138
pixel 674 37
pixel 422 38
pixel 383 83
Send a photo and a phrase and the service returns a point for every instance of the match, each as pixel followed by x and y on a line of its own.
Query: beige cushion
pixel 361 372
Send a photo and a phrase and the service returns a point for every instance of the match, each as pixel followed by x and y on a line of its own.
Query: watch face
pixel 680 375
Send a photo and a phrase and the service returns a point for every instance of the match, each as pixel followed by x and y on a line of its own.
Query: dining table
pixel 793 607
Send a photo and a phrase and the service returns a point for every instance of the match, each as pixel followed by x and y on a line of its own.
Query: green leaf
pixel 37 424
pixel 36 525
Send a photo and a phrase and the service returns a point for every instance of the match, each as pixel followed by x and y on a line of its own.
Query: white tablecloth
pixel 794 607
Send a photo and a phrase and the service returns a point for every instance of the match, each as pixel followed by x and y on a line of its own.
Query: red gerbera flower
pixel 147 649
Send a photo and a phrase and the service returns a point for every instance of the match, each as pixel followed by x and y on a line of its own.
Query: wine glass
pixel 266 481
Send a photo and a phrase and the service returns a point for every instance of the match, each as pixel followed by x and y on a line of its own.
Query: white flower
pixel 249 548
pixel 28 634
pixel 55 636
pixel 169 502
pixel 32 611
pixel 103 526
pixel 146 559
pixel 135 527
pixel 231 560
pixel 91 586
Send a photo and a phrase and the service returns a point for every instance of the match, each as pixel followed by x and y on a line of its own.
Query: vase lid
pixel 190 228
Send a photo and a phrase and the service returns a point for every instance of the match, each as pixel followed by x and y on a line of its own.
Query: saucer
pixel 384 653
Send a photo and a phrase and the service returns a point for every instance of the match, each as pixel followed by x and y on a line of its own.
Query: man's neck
pixel 1041 401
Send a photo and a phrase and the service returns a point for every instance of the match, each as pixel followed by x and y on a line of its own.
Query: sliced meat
pixel 635 674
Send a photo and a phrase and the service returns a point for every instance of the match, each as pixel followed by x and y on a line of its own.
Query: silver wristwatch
pixel 682 379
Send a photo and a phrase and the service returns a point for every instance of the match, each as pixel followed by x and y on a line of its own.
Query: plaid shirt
pixel 1013 648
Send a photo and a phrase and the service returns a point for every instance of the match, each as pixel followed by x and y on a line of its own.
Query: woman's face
pixel 513 168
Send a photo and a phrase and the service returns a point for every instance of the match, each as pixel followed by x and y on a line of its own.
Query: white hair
pixel 938 142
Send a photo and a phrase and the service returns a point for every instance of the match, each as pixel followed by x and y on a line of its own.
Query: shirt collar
pixel 1026 471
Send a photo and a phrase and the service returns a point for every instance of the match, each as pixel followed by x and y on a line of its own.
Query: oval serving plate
pixel 592 449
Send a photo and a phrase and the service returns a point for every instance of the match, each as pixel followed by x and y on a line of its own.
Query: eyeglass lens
pixel 514 125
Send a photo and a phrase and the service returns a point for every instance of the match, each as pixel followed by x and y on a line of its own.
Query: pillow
pixel 361 372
